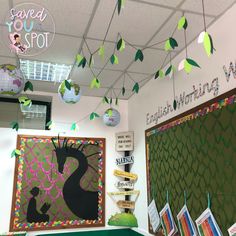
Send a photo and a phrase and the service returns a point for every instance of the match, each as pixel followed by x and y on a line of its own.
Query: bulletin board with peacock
pixel 59 183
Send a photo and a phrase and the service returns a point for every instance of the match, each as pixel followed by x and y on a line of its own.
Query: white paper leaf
pixel 181 65
pixel 201 37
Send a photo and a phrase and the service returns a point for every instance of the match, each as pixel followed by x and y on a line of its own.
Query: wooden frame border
pixel 205 104
pixel 12 229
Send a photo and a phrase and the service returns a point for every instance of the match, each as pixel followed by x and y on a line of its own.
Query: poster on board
pixel 167 221
pixel 154 216
pixel 185 222
pixel 207 225
pixel 232 230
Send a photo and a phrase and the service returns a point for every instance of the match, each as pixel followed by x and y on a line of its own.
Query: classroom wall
pixel 63 115
pixel 145 107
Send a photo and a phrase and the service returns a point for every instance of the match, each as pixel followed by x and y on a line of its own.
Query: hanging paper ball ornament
pixel 11 80
pixel 69 92
pixel 111 117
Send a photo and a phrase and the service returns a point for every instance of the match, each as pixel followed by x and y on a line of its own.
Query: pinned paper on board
pixel 167 221
pixel 232 230
pixel 207 225
pixel 185 222
pixel 154 216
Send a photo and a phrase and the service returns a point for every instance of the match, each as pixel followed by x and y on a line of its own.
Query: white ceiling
pixel 142 23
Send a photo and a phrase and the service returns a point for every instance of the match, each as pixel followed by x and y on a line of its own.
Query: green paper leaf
pixel 183 23
pixel 110 101
pixel 139 55
pixel 22 99
pixel 93 115
pixel 136 88
pixel 28 86
pixel 123 91
pixel 15 153
pixel 116 101
pixel 110 112
pixel 120 5
pixel 95 83
pixel 175 104
pixel 14 125
pixel 105 100
pixel 192 62
pixel 120 45
pixel 49 124
pixel 171 43
pixel 67 84
pixel 79 58
pixel 187 66
pixel 27 103
pixel 82 62
pixel 168 70
pixel 159 73
pixel 91 62
pixel 101 51
pixel 208 44
pixel 114 59
pixel 74 127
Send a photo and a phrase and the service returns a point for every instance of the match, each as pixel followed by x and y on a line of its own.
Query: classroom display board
pixel 195 153
pixel 59 183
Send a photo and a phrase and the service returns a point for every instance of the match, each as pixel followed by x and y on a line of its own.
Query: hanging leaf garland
pixel 114 59
pixel 136 88
pixel 183 23
pixel 49 124
pixel 120 45
pixel 120 5
pixel 93 115
pixel 81 61
pixel 101 51
pixel 105 100
pixel 159 73
pixel 74 127
pixel 171 43
pixel 117 101
pixel 67 84
pixel 95 83
pixel 187 65
pixel 25 101
pixel 28 86
pixel 16 153
pixel 207 41
pixel 14 125
pixel 91 61
pixel 110 101
pixel 139 55
pixel 123 91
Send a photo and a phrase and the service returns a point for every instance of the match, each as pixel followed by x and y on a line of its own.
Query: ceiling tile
pixel 70 17
pixel 62 50
pixel 212 7
pixel 153 59
pixel 136 23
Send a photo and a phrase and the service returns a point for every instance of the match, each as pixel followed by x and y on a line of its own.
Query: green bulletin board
pixel 196 153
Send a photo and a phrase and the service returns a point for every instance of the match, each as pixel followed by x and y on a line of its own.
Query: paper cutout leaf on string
pixel 139 55
pixel 49 124
pixel 187 66
pixel 28 86
pixel 136 88
pixel 114 59
pixel 105 100
pixel 101 51
pixel 120 5
pixel 183 23
pixel 91 61
pixel 110 101
pixel 16 153
pixel 159 73
pixel 15 125
pixel 116 102
pixel 201 37
pixel 81 61
pixel 95 83
pixel 120 45
pixel 208 44
pixel 25 101
pixel 175 104
pixel 93 115
pixel 171 43
pixel 169 70
pixel 74 127
pixel 67 84
pixel 123 91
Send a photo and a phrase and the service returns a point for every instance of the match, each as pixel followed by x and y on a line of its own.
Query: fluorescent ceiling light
pixel 44 71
